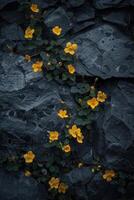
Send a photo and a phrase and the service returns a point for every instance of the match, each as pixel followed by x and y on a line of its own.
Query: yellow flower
pixel 54 183
pixel 67 148
pixel 27 173
pixel 71 48
pixel 37 66
pixel 29 32
pixel 62 188
pixel 93 103
pixel 109 175
pixel 57 30
pixel 80 139
pixel 29 157
pixel 71 69
pixel 74 131
pixel 27 58
pixel 34 8
pixel 53 136
pixel 101 96
pixel 63 114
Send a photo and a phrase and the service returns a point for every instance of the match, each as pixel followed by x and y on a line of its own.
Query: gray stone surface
pixel 105 52
pixel 103 4
pixel 115 138
pixel 118 17
pixel 28 103
pixel 20 187
pixel 15 73
pixel 60 18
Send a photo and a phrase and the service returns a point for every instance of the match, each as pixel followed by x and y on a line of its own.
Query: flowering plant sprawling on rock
pixel 58 161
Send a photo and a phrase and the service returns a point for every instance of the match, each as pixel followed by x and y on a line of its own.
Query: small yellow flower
pixel 29 32
pixel 27 58
pixel 67 148
pixel 80 139
pixel 37 66
pixel 101 96
pixel 34 8
pixel 62 114
pixel 71 69
pixel 27 173
pixel 109 175
pixel 93 103
pixel 57 30
pixel 62 188
pixel 53 136
pixel 29 157
pixel 74 131
pixel 54 183
pixel 71 48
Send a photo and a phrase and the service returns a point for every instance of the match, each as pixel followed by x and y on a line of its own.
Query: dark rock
pixel 120 17
pixel 19 187
pixel 105 52
pixel 97 187
pixel 45 4
pixel 83 25
pixel 3 3
pixel 83 175
pixel 60 18
pixel 103 4
pixel 76 3
pixel 11 77
pixel 15 73
pixel 117 128
pixel 84 13
pixel 28 103
pixel 12 32
pixel 12 16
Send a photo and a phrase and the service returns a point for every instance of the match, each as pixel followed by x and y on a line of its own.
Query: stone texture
pixel 15 72
pixel 76 3
pixel 103 4
pixel 116 128
pixel 83 175
pixel 105 52
pixel 118 17
pixel 12 32
pixel 28 102
pixel 58 17
pixel 5 2
pixel 20 187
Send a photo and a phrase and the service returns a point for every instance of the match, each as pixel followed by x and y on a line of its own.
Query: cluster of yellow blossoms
pixel 55 183
pixel 94 102
pixel 75 132
pixel 57 30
